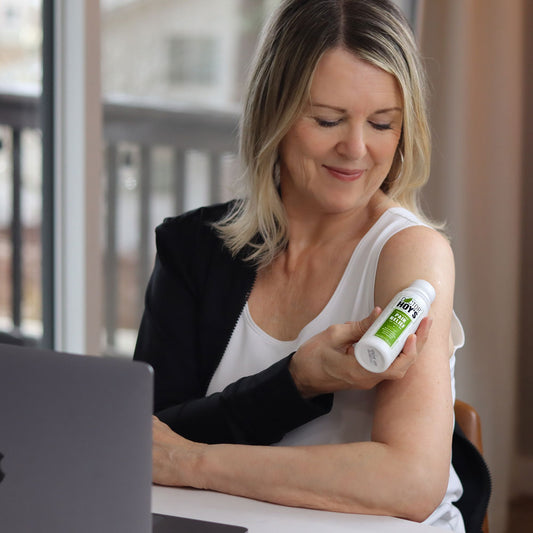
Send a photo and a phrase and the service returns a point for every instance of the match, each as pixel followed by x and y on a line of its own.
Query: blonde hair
pixel 292 43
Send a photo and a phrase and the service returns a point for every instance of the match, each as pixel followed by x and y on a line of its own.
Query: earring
pixel 390 181
pixel 276 173
pixel 398 175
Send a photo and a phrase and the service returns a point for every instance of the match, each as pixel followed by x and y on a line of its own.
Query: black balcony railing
pixel 18 112
pixel 133 133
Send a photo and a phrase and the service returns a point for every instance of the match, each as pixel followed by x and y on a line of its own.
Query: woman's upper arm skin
pixel 415 414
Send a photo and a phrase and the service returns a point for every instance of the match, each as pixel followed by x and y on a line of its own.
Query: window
pixel 172 76
pixel 192 61
pixel 21 309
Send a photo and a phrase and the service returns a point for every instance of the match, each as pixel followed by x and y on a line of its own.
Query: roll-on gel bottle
pixel 383 341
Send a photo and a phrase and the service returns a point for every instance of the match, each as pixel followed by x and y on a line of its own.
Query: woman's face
pixel 337 154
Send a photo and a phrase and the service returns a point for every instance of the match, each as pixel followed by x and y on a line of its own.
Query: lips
pixel 345 174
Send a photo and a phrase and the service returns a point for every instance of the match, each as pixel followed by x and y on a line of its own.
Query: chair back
pixel 469 421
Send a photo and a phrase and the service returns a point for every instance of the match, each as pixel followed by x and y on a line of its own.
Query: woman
pixel 254 306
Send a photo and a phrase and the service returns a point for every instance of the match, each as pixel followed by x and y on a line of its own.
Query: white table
pixel 261 517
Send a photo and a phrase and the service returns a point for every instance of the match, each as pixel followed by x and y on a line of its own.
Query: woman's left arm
pixel 403 471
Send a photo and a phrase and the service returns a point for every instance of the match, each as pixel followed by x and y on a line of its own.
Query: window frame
pixel 74 196
pixel 47 125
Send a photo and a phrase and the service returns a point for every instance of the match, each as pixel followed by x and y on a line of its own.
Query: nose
pixel 352 144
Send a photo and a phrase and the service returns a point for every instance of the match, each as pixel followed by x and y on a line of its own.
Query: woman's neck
pixel 308 228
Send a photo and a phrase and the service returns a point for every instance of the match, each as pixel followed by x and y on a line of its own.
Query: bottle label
pixel 405 311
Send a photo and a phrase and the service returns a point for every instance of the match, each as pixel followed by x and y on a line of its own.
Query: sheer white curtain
pixel 473 51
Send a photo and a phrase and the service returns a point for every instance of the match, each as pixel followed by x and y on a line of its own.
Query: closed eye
pixel 381 127
pixel 327 123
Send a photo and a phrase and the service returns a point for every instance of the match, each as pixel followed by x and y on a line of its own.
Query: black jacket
pixel 475 478
pixel 193 301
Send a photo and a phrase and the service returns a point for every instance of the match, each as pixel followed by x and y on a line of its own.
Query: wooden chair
pixel 469 421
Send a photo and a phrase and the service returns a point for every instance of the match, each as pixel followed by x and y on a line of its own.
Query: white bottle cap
pixel 425 287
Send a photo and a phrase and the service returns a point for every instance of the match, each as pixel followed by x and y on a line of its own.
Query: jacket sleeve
pixel 193 300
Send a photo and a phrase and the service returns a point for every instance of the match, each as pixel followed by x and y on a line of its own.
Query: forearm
pixel 257 409
pixel 367 478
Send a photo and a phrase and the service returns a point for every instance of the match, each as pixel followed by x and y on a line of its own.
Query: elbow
pixel 422 493
pixel 421 508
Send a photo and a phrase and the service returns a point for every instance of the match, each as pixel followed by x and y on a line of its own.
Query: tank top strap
pixel 362 268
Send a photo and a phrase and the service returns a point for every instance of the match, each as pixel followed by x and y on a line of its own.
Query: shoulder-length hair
pixel 292 43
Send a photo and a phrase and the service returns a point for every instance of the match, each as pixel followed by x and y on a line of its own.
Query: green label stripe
pixel 392 328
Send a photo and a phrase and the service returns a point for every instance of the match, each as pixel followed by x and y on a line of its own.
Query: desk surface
pixel 262 517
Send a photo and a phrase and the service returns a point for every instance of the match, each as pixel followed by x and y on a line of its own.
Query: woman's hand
pixel 326 362
pixel 173 457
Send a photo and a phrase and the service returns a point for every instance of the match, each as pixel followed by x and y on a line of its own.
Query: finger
pixel 358 328
pixel 160 430
pixel 410 348
pixel 156 423
pixel 405 359
pixel 422 333
pixel 414 344
pixel 344 335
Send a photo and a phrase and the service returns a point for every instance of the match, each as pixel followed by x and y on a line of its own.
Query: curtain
pixel 473 54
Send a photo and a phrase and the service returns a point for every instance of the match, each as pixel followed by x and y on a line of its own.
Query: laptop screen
pixel 76 443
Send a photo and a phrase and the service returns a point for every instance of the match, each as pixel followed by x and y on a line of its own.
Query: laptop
pixel 75 446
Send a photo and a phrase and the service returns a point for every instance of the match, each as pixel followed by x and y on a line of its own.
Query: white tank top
pixel 251 350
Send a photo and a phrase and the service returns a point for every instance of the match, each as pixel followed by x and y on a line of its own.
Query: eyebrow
pixel 341 110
